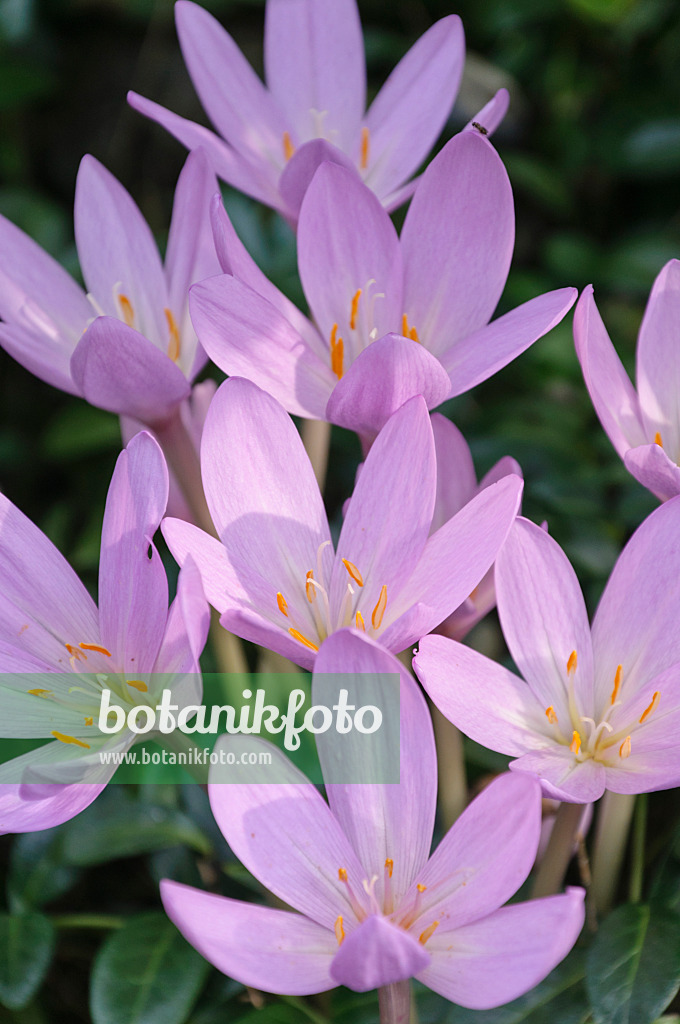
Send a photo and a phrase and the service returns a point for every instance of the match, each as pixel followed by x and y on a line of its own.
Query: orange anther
pixel 365 148
pixel 625 748
pixel 572 663
pixel 379 610
pixel 657 439
pixel 389 866
pixel 359 619
pixel 652 707
pixel 63 738
pixel 575 745
pixel 174 343
pixel 337 353
pixel 617 682
pixel 339 930
pixel 354 310
pixel 296 635
pixel 550 715
pixel 95 647
pixel 126 310
pixel 353 571
pixel 138 684
pixel 424 936
pixel 281 602
pixel 288 147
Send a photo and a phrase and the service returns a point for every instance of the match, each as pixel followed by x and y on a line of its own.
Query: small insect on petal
pixel 480 128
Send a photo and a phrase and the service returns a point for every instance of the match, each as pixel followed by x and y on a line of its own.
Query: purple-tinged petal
pixel 491 114
pixel 544 619
pixel 270 950
pixel 609 386
pixel 410 110
pixel 485 701
pixel 347 242
pixel 456 477
pixel 391 821
pixel 303 165
pixel 40 349
pixel 186 540
pixel 117 252
pixel 248 337
pixel 232 95
pixel 455 559
pixel 389 514
pixel 251 625
pixel 647 772
pixel 651 467
pixel 457 242
pixel 379 381
pixel 658 364
pixel 397 198
pixel 377 953
pixel 636 623
pixel 562 776
pixel 476 357
pixel 261 489
pixel 62 804
pixel 285 834
pixel 120 370
pixel 315 66
pixel 492 961
pixel 133 588
pixel 253 178
pixel 500 469
pixel 483 859
pixel 187 626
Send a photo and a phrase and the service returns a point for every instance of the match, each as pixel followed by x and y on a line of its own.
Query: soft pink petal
pixel 41 350
pixel 658 364
pixel 186 630
pixel 22 815
pixel 491 114
pixel 252 625
pixel 562 776
pixel 456 477
pixel 303 165
pixel 271 950
pixel 377 953
pixel 410 110
pixel 185 539
pixel 651 466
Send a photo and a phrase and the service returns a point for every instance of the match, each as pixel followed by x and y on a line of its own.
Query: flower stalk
pixel 553 867
pixel 613 826
pixel 395 1003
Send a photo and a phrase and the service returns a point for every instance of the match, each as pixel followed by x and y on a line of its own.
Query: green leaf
pixel 633 967
pixel 37 874
pixel 26 943
pixel 146 973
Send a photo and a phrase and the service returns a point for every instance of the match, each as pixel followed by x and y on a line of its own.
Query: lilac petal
pixel 232 95
pixel 645 773
pixel 346 241
pixel 455 559
pixel 271 950
pixel 410 110
pixel 492 113
pixel 117 252
pixel 389 514
pixel 43 604
pixel 485 701
pixel 379 381
pixel 651 467
pixel 633 627
pixel 303 165
pixel 457 242
pixel 456 477
pixel 18 814
pixel 397 198
pixel 471 611
pixel 187 625
pixel 503 467
pixel 473 359
pixel 610 389
pixel 658 365
pixel 41 350
pixel 377 953
pixel 315 67
pixel 285 834
pixel 248 337
pixel 261 490
pixel 389 821
pixel 118 369
pixel 186 540
pixel 483 859
pixel 251 625
pixel 255 179
pixel 562 776
pixel 133 588
pixel 544 619
pixel 497 959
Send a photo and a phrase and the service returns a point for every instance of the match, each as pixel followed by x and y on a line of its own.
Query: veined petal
pixel 388 373
pixel 651 466
pixel 544 619
pixel 488 963
pixel 186 630
pixel 218 579
pixel 485 701
pixel 562 776
pixel 658 364
pixel 271 950
pixel 117 252
pixel 474 358
pixel 120 370
pixel 609 386
pixel 284 833
pixel 26 710
pixel 391 822
pixel 377 953
pixel 248 337
pixel 484 857
pixel 410 110
pixel 303 165
pixel 457 242
pixel 252 625
pixel 492 113
pixel 133 588
pixel 456 477
pixel 21 815
pixel 315 67
pixel 46 355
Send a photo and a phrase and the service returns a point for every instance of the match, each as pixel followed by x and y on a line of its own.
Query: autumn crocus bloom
pixel 599 710
pixel 643 425
pixel 373 910
pixel 274 574
pixel 312 109
pixel 127 345
pixel 395 317
pixel 51 629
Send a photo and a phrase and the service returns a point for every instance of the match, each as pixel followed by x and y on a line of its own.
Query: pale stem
pixel 450 768
pixel 316 437
pixel 613 825
pixel 553 866
pixel 395 1003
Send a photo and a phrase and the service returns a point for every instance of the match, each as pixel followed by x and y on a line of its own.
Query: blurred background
pixel 592 146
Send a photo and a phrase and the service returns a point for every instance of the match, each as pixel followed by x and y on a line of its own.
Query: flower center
pixel 347 341
pixel 404 917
